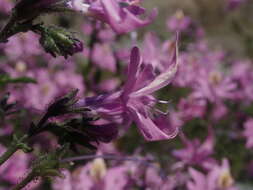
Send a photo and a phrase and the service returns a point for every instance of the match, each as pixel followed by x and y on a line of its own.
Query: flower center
pixel 225 180
pixel 179 14
pixel 215 77
pixel 20 67
pixel 98 169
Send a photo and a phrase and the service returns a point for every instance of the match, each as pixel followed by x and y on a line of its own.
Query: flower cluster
pixel 160 105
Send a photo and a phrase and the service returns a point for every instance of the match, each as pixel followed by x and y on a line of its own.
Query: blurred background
pixel 226 29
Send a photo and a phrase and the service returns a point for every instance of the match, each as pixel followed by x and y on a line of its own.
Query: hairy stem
pixel 15 145
pixel 11 150
pixel 31 176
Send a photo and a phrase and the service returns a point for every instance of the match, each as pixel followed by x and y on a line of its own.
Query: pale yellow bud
pixel 98 169
pixel 20 67
pixel 215 77
pixel 179 14
pixel 225 179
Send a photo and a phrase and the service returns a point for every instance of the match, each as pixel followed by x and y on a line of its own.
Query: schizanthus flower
pixel 121 15
pixel 134 102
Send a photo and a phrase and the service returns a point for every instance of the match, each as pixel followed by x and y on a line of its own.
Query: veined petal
pixel 153 130
pixel 122 20
pixel 113 8
pixel 198 180
pixel 144 77
pixel 135 60
pixel 163 79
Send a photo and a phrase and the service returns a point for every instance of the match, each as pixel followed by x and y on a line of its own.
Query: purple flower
pixel 5 6
pixel 248 132
pixel 233 4
pixel 241 72
pixel 156 53
pixel 138 101
pixel 63 183
pixel 104 51
pixel 213 83
pixel 135 102
pixel 197 153
pixel 94 176
pixel 14 169
pixel 22 46
pixel 122 16
pixel 50 83
pixel 191 107
pixel 218 178
pixel 179 22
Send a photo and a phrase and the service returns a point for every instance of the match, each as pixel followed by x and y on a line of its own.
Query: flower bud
pixel 57 41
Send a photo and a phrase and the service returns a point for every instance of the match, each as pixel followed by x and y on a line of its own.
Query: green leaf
pixel 5 79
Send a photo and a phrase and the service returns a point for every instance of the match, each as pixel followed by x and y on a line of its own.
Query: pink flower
pixel 191 107
pixel 22 46
pixel 15 168
pixel 5 6
pixel 156 53
pixel 197 153
pixel 178 22
pixel 234 4
pixel 49 85
pixel 248 132
pixel 104 51
pixel 241 72
pixel 218 178
pixel 122 16
pixel 94 176
pixel 135 101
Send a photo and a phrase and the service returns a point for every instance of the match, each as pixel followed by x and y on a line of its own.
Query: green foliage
pixel 5 79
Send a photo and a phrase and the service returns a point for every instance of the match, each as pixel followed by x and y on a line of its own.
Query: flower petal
pixel 163 79
pixel 122 20
pixel 153 130
pixel 135 60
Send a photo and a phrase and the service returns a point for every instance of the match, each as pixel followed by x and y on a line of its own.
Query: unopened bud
pixel 57 41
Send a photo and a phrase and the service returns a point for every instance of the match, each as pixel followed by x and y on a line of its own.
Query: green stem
pixel 31 176
pixel 15 145
pixel 11 150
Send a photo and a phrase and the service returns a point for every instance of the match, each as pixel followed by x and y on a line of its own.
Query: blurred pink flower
pixel 233 4
pixel 122 16
pixel 22 46
pixel 155 52
pixel 5 6
pixel 197 153
pixel 102 56
pixel 218 178
pixel 242 74
pixel 178 22
pixel 248 132
pixel 94 176
pixel 14 169
pixel 49 85
pixel 191 107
